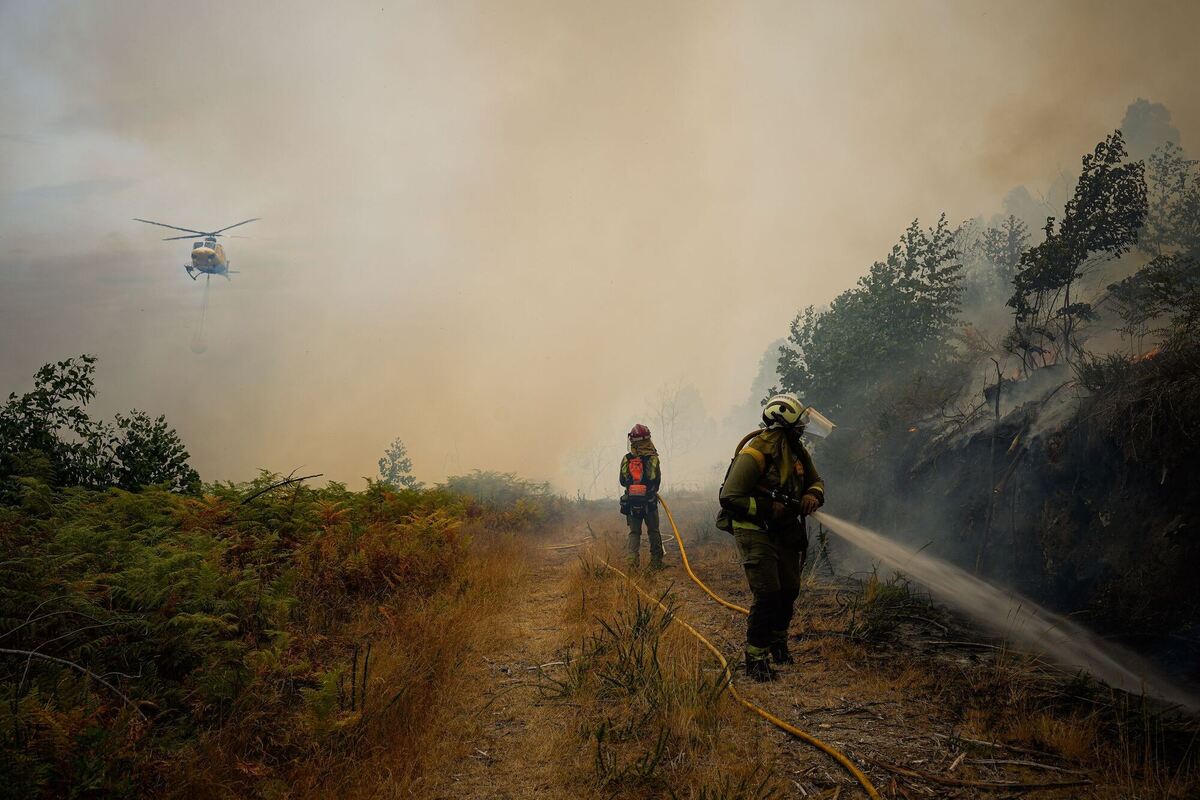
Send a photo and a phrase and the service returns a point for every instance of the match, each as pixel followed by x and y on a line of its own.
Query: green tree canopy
pixel 1099 223
pixel 897 316
pixel 47 434
pixel 1168 287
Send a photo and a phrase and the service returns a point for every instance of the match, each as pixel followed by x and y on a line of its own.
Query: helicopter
pixel 208 256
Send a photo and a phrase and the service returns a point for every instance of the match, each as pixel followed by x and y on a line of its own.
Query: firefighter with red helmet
pixel 641 476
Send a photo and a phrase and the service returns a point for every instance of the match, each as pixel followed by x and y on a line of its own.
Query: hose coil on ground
pixel 787 727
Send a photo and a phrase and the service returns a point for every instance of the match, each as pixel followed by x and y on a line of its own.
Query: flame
pixel 1149 354
pixel 912 429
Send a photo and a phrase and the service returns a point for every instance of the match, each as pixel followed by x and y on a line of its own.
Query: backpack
pixel 636 496
pixel 724 521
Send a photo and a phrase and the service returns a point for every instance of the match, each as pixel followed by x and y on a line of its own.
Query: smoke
pixel 496 229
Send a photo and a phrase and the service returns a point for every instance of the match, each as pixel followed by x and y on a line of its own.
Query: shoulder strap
pixel 746 445
pixel 756 454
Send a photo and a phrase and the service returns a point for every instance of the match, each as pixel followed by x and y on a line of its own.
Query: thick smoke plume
pixel 497 230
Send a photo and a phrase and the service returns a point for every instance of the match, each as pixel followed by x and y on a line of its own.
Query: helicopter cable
pixel 200 338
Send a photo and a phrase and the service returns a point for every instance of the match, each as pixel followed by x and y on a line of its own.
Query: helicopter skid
pixel 193 272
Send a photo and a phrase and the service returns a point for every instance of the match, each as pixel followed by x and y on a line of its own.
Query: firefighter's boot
pixel 779 648
pixel 758 664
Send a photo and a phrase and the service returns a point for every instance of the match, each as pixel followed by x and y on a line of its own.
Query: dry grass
pixel 423 667
pixel 650 716
pixel 1028 709
pixel 591 592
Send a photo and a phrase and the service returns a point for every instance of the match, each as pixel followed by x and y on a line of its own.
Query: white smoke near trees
pixel 498 228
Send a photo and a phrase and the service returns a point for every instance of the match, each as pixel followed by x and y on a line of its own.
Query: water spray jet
pixel 1017 618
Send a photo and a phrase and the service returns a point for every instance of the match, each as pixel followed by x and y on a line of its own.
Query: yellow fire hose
pixel 836 754
pixel 688 566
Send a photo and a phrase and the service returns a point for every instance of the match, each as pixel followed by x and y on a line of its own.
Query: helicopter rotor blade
pixel 227 227
pixel 172 227
pixel 176 238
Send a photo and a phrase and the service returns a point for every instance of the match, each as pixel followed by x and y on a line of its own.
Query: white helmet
pixel 783 411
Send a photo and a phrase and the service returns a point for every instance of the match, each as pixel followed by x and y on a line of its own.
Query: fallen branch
pixel 84 670
pixel 1015 763
pixel 1020 786
pixel 917 618
pixel 995 745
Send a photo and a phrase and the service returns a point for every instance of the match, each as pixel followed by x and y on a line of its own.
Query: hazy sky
pixel 496 228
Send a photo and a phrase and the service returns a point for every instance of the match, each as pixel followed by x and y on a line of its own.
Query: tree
pixel 1099 223
pixel 47 434
pixel 897 317
pixel 1173 204
pixel 149 452
pixel 395 468
pixel 678 419
pixel 1168 287
pixel 1004 246
pixel 596 463
pixel 991 256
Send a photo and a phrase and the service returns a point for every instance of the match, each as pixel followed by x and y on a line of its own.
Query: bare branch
pixel 263 491
pixel 84 670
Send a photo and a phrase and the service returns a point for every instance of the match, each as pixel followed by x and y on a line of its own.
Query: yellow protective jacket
pixel 768 462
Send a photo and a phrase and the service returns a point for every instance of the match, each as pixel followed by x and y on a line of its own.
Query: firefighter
pixel 641 476
pixel 769 489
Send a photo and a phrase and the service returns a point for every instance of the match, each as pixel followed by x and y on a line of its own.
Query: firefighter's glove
pixel 808 504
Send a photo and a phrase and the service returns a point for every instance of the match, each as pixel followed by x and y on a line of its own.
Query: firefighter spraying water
pixel 771 485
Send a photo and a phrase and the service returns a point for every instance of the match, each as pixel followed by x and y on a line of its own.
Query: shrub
pixel 145 630
pixel 502 501
pixel 878 607
pixel 649 708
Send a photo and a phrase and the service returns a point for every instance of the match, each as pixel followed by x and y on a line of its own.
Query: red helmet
pixel 639 431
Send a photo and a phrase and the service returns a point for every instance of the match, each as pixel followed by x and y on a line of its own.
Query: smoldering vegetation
pixel 1020 396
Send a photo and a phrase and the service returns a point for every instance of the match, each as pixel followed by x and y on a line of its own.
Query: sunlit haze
pixel 497 230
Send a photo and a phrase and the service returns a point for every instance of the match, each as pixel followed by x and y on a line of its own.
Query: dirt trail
pixel 511 743
pixel 899 704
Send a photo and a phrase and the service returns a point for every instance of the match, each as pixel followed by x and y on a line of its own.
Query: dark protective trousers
pixel 773 562
pixel 649 513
